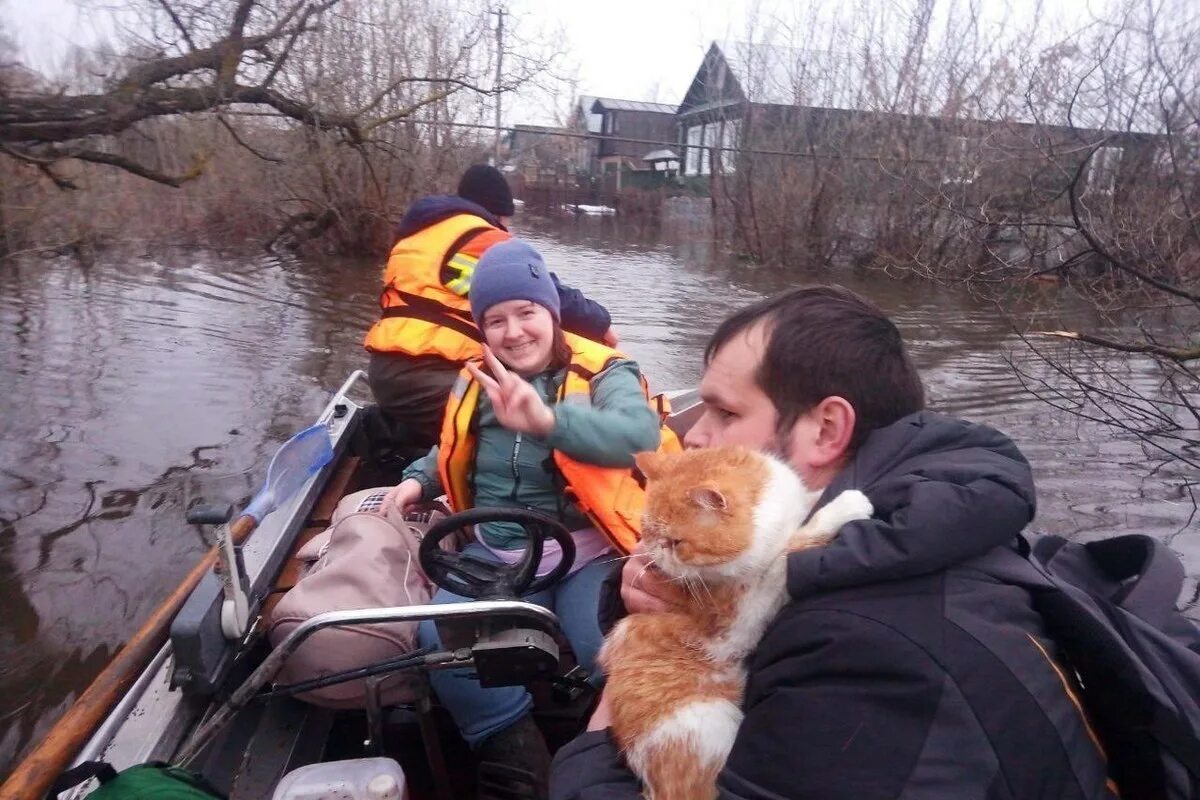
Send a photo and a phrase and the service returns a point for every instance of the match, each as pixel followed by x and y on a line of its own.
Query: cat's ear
pixel 708 497
pixel 649 463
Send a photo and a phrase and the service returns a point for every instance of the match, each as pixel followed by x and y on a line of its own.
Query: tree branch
pixel 237 138
pixel 141 170
pixel 1162 286
pixel 1173 353
pixel 64 118
pixel 408 111
pixel 183 31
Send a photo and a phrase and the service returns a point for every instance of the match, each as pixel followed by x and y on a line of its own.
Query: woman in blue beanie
pixel 520 443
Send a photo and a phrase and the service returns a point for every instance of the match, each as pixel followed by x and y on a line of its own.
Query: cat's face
pixel 719 513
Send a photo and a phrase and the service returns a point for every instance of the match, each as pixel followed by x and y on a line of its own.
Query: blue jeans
pixel 481 713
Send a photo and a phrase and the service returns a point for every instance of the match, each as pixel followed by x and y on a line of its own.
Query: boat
pixel 207 700
pixel 589 210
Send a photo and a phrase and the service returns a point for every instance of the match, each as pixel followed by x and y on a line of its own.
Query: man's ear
pixel 823 434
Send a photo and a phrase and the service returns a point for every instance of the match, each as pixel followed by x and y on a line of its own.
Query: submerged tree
pixel 354 97
pixel 925 138
pixel 1131 242
pixel 189 57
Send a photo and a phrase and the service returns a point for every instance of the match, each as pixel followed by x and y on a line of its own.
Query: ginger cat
pixel 720 523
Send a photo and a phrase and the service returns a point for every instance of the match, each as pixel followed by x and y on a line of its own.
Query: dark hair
pixel 560 351
pixel 823 341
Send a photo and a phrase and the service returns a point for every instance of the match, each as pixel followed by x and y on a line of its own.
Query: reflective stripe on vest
pixel 462 266
pixel 456 452
pixel 424 310
pixel 611 497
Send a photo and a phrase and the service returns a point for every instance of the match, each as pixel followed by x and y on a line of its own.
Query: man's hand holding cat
pixel 602 716
pixel 517 404
pixel 644 587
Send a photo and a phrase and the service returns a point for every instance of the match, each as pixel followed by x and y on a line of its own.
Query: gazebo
pixel 662 161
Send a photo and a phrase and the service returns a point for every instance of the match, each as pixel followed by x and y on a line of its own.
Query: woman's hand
pixel 517 404
pixel 401 496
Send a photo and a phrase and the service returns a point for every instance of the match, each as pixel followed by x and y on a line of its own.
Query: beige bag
pixel 364 560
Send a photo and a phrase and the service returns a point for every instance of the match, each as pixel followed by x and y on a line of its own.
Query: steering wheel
pixel 480 579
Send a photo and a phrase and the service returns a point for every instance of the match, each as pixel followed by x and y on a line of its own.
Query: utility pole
pixel 499 64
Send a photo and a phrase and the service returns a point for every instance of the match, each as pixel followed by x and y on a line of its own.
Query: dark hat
pixel 485 185
pixel 511 270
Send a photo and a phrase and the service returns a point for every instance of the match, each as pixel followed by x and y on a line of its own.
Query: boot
pixel 514 764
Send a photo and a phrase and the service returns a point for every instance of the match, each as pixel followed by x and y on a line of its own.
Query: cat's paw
pixel 848 506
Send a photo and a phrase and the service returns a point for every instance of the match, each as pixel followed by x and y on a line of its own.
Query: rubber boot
pixel 514 764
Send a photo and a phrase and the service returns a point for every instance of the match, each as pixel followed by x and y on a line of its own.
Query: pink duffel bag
pixel 364 560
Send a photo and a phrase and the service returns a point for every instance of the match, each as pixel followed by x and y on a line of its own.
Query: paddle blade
pixel 300 457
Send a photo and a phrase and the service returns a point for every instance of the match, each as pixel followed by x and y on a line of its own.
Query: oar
pixel 296 461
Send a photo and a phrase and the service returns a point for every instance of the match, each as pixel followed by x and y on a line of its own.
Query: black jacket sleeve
pixel 611 608
pixel 837 706
pixel 590 768
pixel 579 315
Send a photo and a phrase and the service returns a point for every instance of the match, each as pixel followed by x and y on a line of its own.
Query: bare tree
pixel 924 138
pixel 193 57
pixel 313 117
pixel 1134 235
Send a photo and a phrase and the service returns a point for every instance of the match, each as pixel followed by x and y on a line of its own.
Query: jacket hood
pixel 431 210
pixel 944 491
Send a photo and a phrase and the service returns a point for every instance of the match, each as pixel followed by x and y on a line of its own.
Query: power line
pixel 722 149
pixel 874 158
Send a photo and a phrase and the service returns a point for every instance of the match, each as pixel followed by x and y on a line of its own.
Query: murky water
pixel 120 382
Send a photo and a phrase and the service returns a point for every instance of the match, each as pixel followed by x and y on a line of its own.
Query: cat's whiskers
pixel 689 584
pixel 615 559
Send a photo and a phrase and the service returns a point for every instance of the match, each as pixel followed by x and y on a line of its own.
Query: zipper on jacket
pixel 516 470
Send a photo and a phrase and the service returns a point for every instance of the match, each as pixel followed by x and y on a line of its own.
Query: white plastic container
pixel 355 779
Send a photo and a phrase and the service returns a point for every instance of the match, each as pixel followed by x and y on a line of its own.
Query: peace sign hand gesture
pixel 518 405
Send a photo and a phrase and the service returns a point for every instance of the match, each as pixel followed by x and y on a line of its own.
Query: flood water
pixel 122 383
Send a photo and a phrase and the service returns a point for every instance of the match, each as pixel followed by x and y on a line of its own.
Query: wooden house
pixel 790 105
pixel 629 130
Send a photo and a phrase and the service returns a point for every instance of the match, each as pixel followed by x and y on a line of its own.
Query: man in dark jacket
pixel 901 667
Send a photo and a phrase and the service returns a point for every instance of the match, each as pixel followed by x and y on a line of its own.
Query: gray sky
pixel 633 49
pixel 636 50
pixel 45 28
pixel 651 49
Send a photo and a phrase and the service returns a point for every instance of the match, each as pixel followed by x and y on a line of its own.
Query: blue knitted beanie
pixel 511 270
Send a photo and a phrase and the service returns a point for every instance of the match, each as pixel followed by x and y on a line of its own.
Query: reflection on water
pixel 125 381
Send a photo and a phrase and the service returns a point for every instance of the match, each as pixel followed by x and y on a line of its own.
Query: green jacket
pixel 513 470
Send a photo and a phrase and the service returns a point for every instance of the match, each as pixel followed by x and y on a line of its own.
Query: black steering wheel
pixel 480 579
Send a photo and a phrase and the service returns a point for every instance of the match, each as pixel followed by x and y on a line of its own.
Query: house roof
pixel 660 155
pixel 523 128
pixel 594 121
pixel 770 74
pixel 610 104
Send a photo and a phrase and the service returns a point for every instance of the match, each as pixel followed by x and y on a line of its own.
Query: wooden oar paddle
pixel 294 463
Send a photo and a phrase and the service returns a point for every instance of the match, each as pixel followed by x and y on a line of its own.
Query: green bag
pixel 151 781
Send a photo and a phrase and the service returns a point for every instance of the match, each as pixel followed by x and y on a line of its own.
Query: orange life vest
pixel 425 285
pixel 612 497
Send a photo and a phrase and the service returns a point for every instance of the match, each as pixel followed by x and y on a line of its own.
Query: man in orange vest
pixel 425 332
